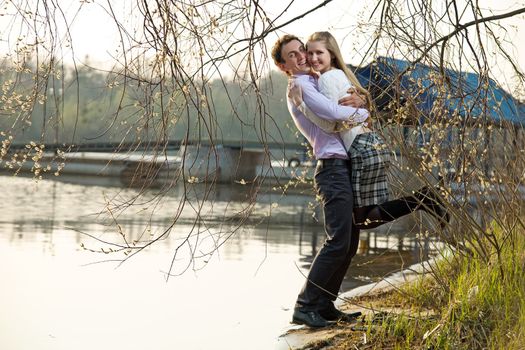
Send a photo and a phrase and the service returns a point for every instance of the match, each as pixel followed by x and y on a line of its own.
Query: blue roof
pixel 464 95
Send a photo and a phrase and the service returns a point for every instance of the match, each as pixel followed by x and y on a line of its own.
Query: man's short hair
pixel 278 46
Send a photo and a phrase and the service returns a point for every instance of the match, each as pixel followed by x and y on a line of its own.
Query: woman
pixel 368 154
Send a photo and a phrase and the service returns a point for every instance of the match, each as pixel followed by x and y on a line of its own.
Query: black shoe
pixel 333 314
pixel 433 205
pixel 309 318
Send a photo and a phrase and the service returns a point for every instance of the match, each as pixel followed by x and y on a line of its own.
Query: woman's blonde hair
pixel 338 62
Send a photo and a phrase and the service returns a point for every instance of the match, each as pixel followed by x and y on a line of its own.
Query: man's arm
pixel 326 109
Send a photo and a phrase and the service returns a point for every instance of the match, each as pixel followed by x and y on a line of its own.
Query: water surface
pixel 60 291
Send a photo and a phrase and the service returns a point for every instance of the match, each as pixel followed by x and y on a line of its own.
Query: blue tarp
pixel 463 93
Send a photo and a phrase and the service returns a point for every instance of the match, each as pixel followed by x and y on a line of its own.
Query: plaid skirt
pixel 370 160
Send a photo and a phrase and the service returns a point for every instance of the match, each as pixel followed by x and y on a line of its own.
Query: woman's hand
pixel 295 93
pixel 354 99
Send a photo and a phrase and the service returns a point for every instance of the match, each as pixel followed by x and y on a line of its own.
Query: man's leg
pixel 326 272
pixel 327 309
pixel 334 284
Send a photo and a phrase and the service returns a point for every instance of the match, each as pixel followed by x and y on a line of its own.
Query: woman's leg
pixel 375 215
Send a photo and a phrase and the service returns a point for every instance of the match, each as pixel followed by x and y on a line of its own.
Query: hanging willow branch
pixel 195 75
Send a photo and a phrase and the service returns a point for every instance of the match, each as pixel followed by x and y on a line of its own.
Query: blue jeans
pixel 333 259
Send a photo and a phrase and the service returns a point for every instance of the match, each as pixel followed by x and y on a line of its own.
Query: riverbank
pixel 465 303
pixel 368 299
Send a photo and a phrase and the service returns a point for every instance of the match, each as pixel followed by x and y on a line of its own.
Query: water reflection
pixel 39 210
pixel 239 294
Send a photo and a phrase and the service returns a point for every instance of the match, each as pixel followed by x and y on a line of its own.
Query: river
pixel 63 289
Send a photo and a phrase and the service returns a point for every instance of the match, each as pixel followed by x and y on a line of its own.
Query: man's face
pixel 294 56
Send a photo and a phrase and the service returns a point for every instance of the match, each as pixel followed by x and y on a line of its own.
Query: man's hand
pixel 354 99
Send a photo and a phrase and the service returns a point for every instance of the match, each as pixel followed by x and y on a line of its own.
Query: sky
pixel 94 34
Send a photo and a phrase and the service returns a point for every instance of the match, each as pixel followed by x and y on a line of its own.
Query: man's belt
pixel 323 163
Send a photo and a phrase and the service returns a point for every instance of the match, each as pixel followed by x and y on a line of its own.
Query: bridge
pixel 139 162
pixel 170 145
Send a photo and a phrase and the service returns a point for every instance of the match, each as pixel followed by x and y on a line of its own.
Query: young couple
pixel 331 109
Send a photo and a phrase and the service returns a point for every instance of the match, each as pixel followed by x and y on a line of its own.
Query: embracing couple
pixel 332 111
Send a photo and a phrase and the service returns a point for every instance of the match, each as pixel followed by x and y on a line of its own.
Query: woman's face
pixel 318 56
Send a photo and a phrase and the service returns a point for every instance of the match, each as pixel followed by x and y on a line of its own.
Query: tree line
pixel 87 105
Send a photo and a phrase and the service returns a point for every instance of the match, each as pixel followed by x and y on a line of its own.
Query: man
pixel 314 306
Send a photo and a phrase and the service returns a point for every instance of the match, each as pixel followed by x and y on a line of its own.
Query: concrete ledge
pixel 390 282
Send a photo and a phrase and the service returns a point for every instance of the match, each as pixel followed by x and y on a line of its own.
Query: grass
pixel 469 302
pixel 484 307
